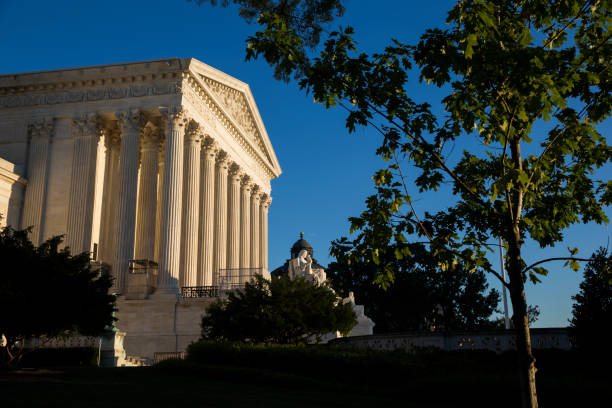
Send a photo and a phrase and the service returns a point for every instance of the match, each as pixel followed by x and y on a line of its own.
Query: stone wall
pixel 497 341
pixel 12 185
pixel 159 325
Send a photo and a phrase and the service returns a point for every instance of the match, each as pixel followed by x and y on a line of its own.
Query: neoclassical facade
pixel 165 161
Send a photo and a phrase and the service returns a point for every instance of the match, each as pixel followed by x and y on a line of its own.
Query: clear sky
pixel 326 172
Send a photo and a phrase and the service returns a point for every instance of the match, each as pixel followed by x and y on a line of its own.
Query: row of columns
pixel 195 201
pixel 169 194
pixel 85 136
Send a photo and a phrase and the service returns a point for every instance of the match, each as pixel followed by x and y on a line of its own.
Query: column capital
pixel 209 145
pixel 235 172
pixel 222 159
pixel 193 132
pixel 112 136
pixel 86 125
pixel 41 130
pixel 246 182
pixel 266 200
pixel 150 138
pixel 255 191
pixel 130 120
pixel 174 116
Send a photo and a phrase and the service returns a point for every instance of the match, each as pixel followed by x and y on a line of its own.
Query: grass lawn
pixel 251 379
pixel 155 387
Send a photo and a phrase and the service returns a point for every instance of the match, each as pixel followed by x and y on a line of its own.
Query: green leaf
pixel 574 265
pixel 533 278
pixel 540 271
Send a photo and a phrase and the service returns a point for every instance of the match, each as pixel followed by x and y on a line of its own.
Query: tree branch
pixel 431 149
pixel 562 258
pixel 556 35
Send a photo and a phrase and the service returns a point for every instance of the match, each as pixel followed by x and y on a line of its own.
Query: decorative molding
pixel 90 95
pixel 219 104
pixel 192 131
pixel 209 145
pixel 86 126
pixel 41 130
pixel 222 159
pixel 199 95
pixel 150 137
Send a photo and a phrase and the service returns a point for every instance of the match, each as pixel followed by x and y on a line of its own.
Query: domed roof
pixel 299 245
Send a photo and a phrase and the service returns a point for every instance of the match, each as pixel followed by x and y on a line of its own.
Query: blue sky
pixel 326 171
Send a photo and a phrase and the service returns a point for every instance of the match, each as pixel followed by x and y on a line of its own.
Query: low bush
pixel 354 366
pixel 60 357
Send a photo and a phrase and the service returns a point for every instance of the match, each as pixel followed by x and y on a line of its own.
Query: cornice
pixel 212 74
pixel 11 178
pixel 95 72
pixel 202 98
pixel 91 90
pixel 203 85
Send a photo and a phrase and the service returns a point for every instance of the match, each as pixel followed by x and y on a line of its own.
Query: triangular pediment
pixel 236 100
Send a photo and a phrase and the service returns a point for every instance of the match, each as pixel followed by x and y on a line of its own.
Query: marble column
pixel 207 212
pixel 109 196
pixel 147 195
pixel 220 239
pixel 40 134
pixel 160 188
pixel 172 197
pixel 263 238
pixel 245 229
pixel 130 125
pixel 191 206
pixel 254 241
pixel 233 223
pixel 82 184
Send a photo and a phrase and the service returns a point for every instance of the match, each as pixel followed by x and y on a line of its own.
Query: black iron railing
pixel 192 292
pixel 226 280
pixel 235 278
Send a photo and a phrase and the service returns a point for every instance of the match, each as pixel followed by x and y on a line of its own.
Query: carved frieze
pixel 205 105
pixel 89 95
pixel 235 104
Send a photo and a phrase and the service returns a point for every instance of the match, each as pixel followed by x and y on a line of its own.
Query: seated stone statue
pixel 301 266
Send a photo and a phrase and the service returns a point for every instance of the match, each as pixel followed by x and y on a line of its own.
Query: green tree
pixel 422 297
pixel 590 326
pixel 45 293
pixel 279 311
pixel 508 65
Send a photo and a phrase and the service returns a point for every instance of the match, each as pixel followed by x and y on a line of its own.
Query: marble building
pixel 163 162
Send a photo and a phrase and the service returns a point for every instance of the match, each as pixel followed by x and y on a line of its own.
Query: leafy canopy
pixel 422 297
pixel 279 311
pixel 47 292
pixel 507 65
pixel 592 311
pixel 529 80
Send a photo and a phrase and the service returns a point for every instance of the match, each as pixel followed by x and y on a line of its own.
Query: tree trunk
pixel 526 360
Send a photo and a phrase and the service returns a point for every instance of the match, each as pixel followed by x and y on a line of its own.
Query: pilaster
pixel 40 133
pixel 82 184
